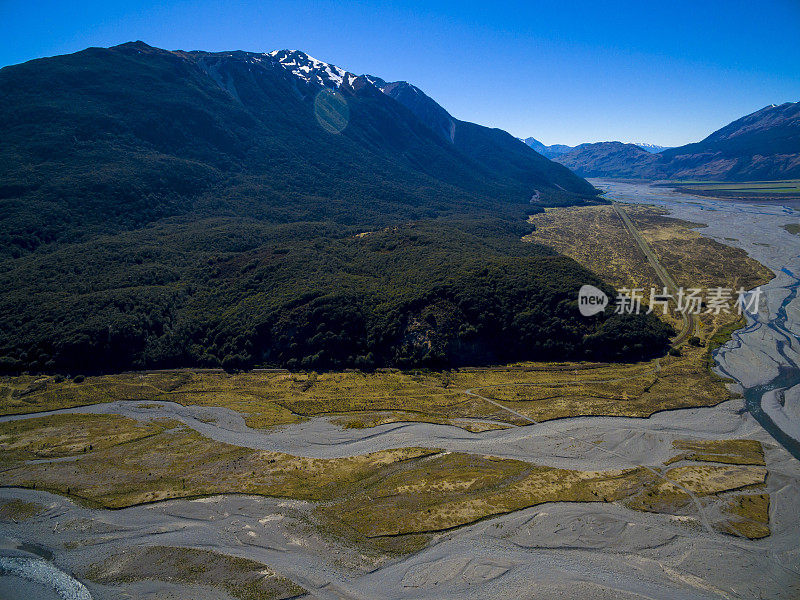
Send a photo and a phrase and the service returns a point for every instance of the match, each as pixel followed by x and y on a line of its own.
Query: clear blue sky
pixel 666 72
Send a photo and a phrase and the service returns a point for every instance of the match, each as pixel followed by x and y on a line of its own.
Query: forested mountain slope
pixel 193 209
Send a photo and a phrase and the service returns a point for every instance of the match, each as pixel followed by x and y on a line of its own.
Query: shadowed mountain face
pixel 424 108
pixel 547 151
pixel 493 148
pixel 762 145
pixel 610 159
pixel 93 133
pixel 204 209
pixel 555 150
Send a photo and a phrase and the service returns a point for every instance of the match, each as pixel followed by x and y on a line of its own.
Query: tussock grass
pixel 59 436
pixel 19 510
pixel 734 452
pixel 793 228
pixel 748 516
pixel 133 464
pixel 367 498
pixel 636 390
pixel 242 578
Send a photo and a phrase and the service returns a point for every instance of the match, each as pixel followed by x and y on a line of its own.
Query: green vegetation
pixel 358 399
pixel 431 294
pixel 541 391
pixel 733 452
pixel 747 515
pixel 722 334
pixel 786 188
pixel 695 260
pixel 134 464
pixel 793 228
pixel 674 492
pixel 155 136
pixel 372 498
pixel 423 294
pixel 691 260
pixel 28 393
pixel 242 578
pixel 19 510
pixel 270 399
pixel 597 239
pixel 451 490
pixel 637 390
pixel 69 435
pixel 156 219
pixel 705 480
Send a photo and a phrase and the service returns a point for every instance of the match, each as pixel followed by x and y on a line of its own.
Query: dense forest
pixel 164 209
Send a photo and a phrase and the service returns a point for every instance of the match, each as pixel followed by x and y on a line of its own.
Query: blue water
pixel 789 371
pixel 43 572
pixel 789 374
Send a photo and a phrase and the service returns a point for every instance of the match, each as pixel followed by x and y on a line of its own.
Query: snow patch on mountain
pixel 652 148
pixel 311 70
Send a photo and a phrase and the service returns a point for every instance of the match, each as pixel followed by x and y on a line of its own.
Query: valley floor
pixel 782 193
pixel 533 480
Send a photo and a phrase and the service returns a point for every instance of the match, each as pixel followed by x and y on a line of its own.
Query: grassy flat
pixel 793 228
pixel 786 186
pixel 596 238
pixel 748 516
pixel 19 510
pixel 60 436
pixel 637 390
pixel 452 490
pixel 705 480
pixel 355 399
pixel 242 578
pixel 371 498
pixel 164 461
pixel 672 494
pixel 734 452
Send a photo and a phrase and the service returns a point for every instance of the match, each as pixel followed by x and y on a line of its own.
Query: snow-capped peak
pixel 311 70
pixel 376 81
pixel 652 148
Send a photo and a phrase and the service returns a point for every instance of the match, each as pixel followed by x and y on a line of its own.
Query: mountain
pixel 653 148
pixel 759 146
pixel 205 123
pixel 424 108
pixel 610 159
pixel 168 208
pixel 763 145
pixel 494 148
pixel 548 151
pixel 559 149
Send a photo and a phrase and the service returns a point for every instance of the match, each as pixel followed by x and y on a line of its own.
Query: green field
pixel 779 188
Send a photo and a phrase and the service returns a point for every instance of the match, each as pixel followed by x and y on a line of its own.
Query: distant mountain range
pixel 763 145
pixel 611 159
pixel 650 147
pixel 548 151
pixel 558 149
